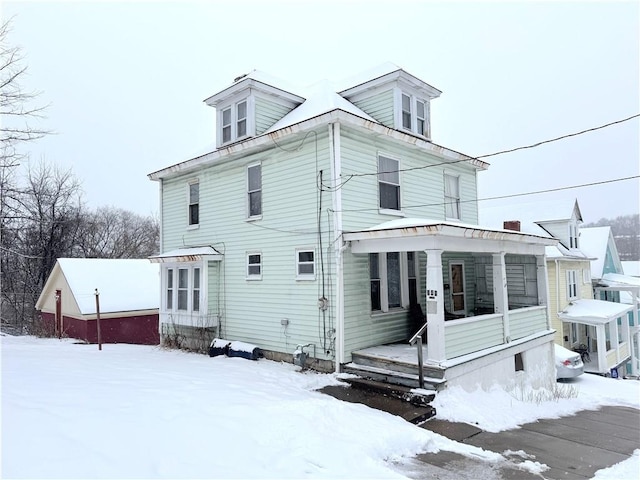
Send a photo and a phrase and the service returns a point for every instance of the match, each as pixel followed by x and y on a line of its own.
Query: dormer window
pixel 573 236
pixel 234 121
pixel 414 114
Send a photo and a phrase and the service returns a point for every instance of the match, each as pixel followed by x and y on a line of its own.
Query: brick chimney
pixel 511 225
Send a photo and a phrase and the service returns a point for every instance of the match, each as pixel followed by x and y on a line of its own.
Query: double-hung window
pixel 386 281
pixel 194 203
pixel 573 236
pixel 452 196
pixel 389 183
pixel 254 266
pixel 234 122
pixel 254 190
pixel 305 265
pixel 414 114
pixel 572 284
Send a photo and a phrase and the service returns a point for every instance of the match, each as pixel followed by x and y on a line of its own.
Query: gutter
pixel 265 140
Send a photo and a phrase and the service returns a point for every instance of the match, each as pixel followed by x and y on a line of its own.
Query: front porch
pixel 484 295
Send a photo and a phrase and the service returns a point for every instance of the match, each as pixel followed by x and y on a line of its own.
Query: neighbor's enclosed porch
pixel 479 289
pixel 600 331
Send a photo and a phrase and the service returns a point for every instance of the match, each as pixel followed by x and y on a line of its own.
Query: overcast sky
pixel 126 83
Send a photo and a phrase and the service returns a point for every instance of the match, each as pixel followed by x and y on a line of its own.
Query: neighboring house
pixel 631 267
pixel 581 322
pixel 128 299
pixel 325 219
pixel 614 284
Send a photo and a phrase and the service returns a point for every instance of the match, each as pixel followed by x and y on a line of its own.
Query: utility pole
pixel 98 319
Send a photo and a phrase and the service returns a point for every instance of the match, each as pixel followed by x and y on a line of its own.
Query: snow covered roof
pixel 320 98
pixel 631 267
pixel 619 280
pixel 594 241
pixel 187 254
pixel 124 285
pixel 494 213
pixel 593 312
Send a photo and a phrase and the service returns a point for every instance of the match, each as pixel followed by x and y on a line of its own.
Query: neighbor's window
pixel 194 203
pixel 414 114
pixel 254 266
pixel 306 265
pixel 389 183
pixel 573 236
pixel 226 125
pixel 572 284
pixel 452 196
pixel 421 118
pixel 254 190
pixel 233 122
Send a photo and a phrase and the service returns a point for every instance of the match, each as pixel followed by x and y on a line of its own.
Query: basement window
pixel 519 363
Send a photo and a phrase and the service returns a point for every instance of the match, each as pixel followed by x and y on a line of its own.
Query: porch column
pixel 613 331
pixel 435 307
pixel 542 277
pixel 500 293
pixel 601 341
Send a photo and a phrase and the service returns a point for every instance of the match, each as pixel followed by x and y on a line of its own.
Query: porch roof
pixel 619 281
pixel 593 312
pixel 412 234
pixel 187 254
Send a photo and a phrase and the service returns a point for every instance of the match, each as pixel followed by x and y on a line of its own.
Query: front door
pixel 457 288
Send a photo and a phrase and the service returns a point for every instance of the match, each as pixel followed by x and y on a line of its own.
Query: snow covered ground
pixel 129 411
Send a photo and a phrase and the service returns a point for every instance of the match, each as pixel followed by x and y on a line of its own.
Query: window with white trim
pixel 254 266
pixel 234 122
pixel 387 281
pixel 573 236
pixel 586 276
pixel 414 114
pixel 182 286
pixel 254 190
pixel 452 196
pixel 572 284
pixel 305 265
pixel 194 203
pixel 388 183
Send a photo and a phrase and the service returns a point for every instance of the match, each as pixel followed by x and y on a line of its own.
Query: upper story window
pixel 389 183
pixel 414 114
pixel 194 203
pixel 452 196
pixel 572 284
pixel 573 236
pixel 234 122
pixel 254 190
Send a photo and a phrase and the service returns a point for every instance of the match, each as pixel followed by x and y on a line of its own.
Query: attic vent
pixel 240 77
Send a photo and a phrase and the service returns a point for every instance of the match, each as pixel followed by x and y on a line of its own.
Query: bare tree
pixel 16 105
pixel 111 232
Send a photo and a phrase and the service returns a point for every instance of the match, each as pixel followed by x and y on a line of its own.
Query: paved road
pixel 573 447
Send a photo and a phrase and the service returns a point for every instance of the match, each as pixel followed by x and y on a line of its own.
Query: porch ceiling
pixel 411 234
pixel 593 312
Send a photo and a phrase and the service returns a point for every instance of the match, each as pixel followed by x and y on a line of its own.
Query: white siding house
pixel 326 219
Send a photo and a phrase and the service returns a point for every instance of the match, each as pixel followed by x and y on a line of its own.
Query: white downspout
pixel 160 270
pixel 336 171
pixel 558 297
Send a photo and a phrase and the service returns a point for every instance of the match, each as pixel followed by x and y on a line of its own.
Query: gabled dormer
pixel 394 98
pixel 252 104
pixel 567 228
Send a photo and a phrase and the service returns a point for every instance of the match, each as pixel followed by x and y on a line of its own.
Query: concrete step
pixel 394 377
pixel 417 397
pixel 396 366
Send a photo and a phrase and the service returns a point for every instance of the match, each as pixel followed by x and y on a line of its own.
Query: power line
pixel 501 152
pixel 533 145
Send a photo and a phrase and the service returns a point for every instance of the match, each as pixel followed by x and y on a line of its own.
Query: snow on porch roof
pixel 593 312
pixel 619 280
pixel 124 285
pixel 424 233
pixel 188 254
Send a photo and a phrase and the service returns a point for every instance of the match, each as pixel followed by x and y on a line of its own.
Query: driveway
pixel 573 447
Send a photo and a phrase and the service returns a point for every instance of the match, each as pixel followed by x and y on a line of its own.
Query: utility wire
pixel 501 152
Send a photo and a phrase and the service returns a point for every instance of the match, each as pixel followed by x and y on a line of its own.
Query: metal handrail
pixel 417 338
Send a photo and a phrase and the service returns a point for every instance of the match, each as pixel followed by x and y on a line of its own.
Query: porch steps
pixel 394 377
pixel 408 394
